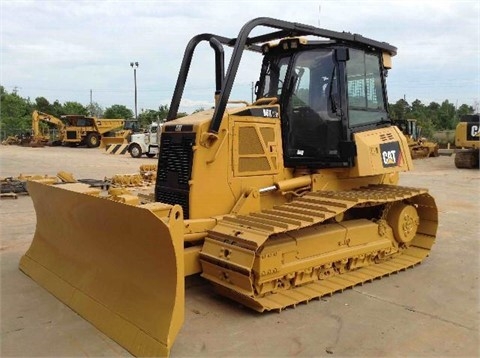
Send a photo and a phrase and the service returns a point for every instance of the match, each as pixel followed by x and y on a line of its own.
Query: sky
pixel 81 50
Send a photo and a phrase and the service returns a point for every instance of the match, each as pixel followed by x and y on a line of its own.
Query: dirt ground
pixel 430 310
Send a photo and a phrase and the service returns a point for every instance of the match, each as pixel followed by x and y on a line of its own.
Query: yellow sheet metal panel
pixel 128 280
pixel 381 151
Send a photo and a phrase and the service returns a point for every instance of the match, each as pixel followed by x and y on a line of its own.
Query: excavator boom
pixel 37 134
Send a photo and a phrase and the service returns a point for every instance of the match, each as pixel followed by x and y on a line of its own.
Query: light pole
pixel 134 65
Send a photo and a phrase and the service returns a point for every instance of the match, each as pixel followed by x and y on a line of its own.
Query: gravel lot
pixel 430 310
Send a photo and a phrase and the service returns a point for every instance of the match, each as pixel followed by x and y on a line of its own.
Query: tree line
pixel 432 117
pixel 16 113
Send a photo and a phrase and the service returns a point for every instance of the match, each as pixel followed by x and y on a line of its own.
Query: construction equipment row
pixel 76 130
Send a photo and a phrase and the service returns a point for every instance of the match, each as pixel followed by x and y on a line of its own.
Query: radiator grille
pixel 172 197
pixel 175 169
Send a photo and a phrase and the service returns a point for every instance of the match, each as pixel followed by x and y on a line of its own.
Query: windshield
pixel 274 72
pixel 307 86
pixel 315 81
pixel 312 81
pixel 366 102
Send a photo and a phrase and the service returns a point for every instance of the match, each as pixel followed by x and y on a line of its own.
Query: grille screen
pixel 175 169
pixel 384 137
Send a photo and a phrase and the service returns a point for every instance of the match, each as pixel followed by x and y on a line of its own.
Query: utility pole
pixel 134 65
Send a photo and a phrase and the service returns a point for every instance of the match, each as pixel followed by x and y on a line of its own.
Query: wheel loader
pixel 276 202
pixel 467 142
pixel 120 136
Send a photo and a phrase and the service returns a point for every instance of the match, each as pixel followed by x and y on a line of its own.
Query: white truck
pixel 147 143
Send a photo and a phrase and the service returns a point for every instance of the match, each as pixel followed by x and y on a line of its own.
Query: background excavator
pixel 40 136
pixel 467 142
pixel 281 201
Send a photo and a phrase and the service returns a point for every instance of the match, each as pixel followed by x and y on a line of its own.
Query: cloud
pixel 63 49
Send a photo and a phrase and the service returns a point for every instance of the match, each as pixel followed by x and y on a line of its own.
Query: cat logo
pixel 473 131
pixel 389 157
pixel 390 154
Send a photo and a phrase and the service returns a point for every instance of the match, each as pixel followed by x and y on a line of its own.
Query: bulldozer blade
pixel 119 266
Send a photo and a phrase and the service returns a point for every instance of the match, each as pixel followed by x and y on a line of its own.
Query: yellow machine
pixel 467 142
pixel 82 130
pixel 419 147
pixel 39 136
pixel 12 139
pixel 120 136
pixel 278 202
pixel 74 129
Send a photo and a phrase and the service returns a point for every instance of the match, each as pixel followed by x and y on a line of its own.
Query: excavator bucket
pixel 119 266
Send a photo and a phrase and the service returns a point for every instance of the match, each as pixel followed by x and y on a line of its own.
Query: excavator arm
pixel 38 117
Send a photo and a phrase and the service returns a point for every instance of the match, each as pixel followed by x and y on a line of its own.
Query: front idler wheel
pixel 404 221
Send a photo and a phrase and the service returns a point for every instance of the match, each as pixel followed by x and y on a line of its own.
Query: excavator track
pixel 318 244
pixel 467 159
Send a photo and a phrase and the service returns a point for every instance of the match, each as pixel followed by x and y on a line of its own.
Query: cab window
pixel 366 102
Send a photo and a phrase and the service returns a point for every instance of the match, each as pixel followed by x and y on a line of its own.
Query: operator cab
pixel 320 110
pixel 132 124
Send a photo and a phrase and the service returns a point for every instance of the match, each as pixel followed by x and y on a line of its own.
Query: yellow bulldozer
pixel 419 146
pixel 467 142
pixel 277 202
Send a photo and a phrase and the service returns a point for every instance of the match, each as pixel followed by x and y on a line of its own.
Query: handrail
pixel 243 42
pixel 216 43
